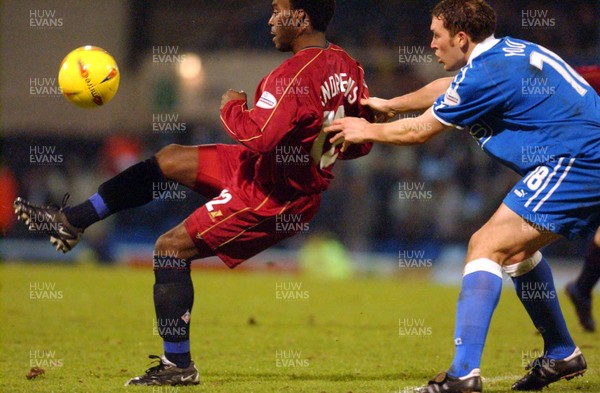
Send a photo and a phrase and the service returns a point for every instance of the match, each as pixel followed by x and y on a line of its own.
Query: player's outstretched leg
pixel 50 220
pixel 580 290
pixel 130 188
pixel 173 301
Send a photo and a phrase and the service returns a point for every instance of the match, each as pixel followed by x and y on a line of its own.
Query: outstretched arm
pixel 416 101
pixel 409 131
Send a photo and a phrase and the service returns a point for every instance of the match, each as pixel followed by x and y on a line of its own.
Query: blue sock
pixel 535 288
pixel 131 188
pixel 99 205
pixel 481 288
pixel 178 353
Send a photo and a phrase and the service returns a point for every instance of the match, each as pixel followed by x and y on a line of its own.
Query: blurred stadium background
pixel 176 60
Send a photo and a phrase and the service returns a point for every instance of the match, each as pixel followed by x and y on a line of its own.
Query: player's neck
pixel 316 39
pixel 470 51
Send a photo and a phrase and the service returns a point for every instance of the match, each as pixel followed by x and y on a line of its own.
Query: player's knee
pixel 167 159
pixel 475 242
pixel 597 238
pixel 481 245
pixel 517 258
pixel 168 244
pixel 176 244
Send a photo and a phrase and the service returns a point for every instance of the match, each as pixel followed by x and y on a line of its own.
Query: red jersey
pixel 591 74
pixel 287 149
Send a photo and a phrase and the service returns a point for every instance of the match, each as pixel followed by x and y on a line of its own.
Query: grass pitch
pixel 91 329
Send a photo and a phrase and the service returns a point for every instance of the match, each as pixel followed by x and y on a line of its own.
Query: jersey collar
pixel 327 45
pixel 483 46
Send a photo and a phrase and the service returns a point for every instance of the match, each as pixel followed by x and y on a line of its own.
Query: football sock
pixel 84 214
pixel 173 301
pixel 178 353
pixel 589 276
pixel 535 288
pixel 131 188
pixel 479 295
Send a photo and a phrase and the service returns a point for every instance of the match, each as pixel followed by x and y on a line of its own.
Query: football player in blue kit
pixel 580 290
pixel 531 111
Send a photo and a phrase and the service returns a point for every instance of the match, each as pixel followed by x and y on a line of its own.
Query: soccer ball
pixel 89 77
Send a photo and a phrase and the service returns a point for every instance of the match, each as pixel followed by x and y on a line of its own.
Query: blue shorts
pixel 561 197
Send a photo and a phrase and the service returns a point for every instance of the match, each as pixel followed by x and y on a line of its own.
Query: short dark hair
pixel 475 17
pixel 320 12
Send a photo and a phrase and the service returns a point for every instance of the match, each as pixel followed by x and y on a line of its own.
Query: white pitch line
pixel 502 379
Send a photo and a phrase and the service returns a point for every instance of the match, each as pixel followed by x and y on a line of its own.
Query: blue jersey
pixel 523 104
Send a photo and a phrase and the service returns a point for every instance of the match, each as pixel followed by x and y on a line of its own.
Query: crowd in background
pixel 568 27
pixel 395 198
pixel 364 207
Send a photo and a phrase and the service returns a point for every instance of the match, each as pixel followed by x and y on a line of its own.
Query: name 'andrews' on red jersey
pixel 288 150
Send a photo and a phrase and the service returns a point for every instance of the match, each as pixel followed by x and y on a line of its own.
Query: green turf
pixel 345 336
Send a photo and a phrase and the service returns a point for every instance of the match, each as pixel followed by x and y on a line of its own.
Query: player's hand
pixel 232 95
pixel 384 111
pixel 350 130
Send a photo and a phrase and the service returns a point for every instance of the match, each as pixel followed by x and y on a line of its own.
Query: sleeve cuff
pixel 231 103
pixel 447 123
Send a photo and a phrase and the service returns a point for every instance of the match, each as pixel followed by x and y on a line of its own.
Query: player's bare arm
pixel 418 100
pixel 403 132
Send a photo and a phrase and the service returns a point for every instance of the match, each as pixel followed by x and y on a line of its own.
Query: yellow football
pixel 89 77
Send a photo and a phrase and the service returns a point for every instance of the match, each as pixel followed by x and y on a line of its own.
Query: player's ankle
pixel 181 360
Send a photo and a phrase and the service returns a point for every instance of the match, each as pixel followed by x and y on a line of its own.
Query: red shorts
pixel 242 219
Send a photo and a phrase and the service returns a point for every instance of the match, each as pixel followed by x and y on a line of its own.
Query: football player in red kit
pixel 281 165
